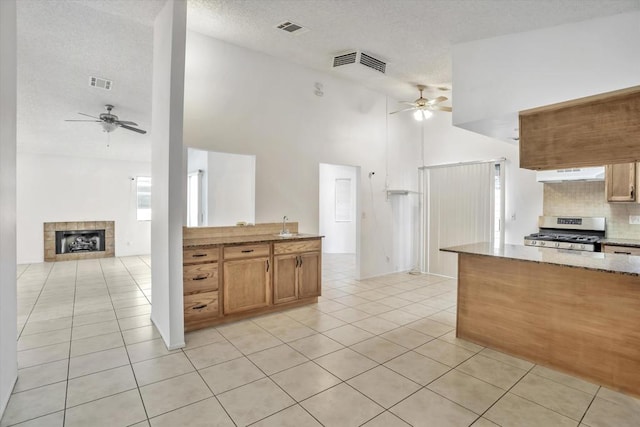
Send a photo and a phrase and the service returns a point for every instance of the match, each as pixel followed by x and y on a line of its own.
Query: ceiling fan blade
pixel 96 121
pixel 405 109
pixel 412 103
pixel 93 117
pixel 441 108
pixel 131 128
pixel 125 122
pixel 437 100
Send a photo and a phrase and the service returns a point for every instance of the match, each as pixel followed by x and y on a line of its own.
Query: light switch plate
pixel 634 219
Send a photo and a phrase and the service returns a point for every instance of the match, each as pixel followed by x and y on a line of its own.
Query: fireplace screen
pixel 74 241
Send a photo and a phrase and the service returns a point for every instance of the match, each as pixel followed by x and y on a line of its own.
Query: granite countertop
pixel 600 261
pixel 258 238
pixel 621 242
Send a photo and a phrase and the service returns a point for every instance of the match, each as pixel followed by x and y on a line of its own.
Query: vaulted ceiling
pixel 61 43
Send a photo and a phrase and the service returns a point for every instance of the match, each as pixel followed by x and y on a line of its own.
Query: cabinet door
pixel 309 275
pixel 246 284
pixel 620 182
pixel 285 287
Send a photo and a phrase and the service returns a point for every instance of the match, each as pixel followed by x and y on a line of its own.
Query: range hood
pixel 571 174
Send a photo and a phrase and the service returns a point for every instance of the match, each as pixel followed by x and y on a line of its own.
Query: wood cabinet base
pixel 192 326
pixel 580 321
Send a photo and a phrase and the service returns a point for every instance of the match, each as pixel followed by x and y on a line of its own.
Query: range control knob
pixel 581 246
pixel 557 244
pixel 571 246
pixel 534 242
pixel 543 243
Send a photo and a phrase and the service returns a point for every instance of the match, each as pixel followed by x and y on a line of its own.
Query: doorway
pixel 339 221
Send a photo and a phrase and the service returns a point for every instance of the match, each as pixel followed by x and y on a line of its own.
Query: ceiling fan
pixel 110 122
pixel 423 107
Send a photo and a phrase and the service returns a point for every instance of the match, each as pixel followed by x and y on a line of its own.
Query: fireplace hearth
pixel 65 241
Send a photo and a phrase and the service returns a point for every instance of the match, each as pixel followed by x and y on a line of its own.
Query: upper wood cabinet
pixel 620 180
pixel 592 131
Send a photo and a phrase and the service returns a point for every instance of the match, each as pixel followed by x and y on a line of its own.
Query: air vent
pixel 100 83
pixel 357 57
pixel 371 62
pixel 292 28
pixel 347 58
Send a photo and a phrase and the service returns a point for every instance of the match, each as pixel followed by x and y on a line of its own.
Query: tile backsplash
pixel 588 199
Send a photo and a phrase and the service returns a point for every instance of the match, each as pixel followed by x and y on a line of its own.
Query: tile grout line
pixel 133 372
pixel 66 391
pixel 44 283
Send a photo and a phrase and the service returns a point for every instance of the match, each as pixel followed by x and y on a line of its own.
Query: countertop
pixel 599 261
pixel 621 242
pixel 236 240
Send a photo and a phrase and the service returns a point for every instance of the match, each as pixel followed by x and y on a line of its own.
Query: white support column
pixel 168 177
pixel 8 300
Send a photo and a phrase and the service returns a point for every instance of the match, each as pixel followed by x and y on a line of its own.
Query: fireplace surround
pixel 64 241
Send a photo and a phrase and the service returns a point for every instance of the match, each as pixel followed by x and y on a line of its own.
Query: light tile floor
pixel 378 352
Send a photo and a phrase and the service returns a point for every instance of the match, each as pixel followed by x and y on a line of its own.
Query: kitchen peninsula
pixel 575 311
pixel 230 273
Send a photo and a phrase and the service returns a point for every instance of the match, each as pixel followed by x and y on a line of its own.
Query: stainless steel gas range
pixel 573 233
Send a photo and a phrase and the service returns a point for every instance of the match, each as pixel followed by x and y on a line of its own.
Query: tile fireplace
pixel 65 241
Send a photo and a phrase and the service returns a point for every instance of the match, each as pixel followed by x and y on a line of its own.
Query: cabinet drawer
pixel 246 251
pixel 192 256
pixel 297 247
pixel 200 277
pixel 199 307
pixel 628 250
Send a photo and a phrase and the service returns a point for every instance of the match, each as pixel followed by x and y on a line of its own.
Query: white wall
pixel 168 172
pixel 340 236
pixel 497 77
pixel 8 301
pixel 65 188
pixel 231 194
pixel 291 131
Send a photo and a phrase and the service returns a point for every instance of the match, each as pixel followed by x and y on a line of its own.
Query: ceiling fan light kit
pixel 423 107
pixel 111 122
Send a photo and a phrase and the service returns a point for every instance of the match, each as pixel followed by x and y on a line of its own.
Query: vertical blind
pixel 459 208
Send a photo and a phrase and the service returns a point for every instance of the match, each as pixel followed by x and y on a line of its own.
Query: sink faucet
pixel 284 224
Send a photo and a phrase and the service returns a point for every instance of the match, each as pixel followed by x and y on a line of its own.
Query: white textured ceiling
pixel 62 42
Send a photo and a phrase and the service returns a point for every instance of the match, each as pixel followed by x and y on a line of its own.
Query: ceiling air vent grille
pixel 291 28
pixel 347 58
pixel 371 62
pixel 100 83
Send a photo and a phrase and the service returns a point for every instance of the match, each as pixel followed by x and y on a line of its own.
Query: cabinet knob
pixel 247 251
pixel 199 278
pixel 199 307
pixel 198 255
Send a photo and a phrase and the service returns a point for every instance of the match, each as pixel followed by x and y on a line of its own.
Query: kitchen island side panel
pixel 580 321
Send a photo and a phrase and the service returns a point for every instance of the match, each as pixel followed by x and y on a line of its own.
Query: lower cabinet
pixel 309 275
pixel 241 280
pixel 296 276
pixel 285 278
pixel 246 284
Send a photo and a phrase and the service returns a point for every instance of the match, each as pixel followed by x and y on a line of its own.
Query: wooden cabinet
pixel 625 250
pixel 246 278
pixel 200 286
pixel 297 273
pixel 591 131
pixel 620 182
pixel 285 278
pixel 226 282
